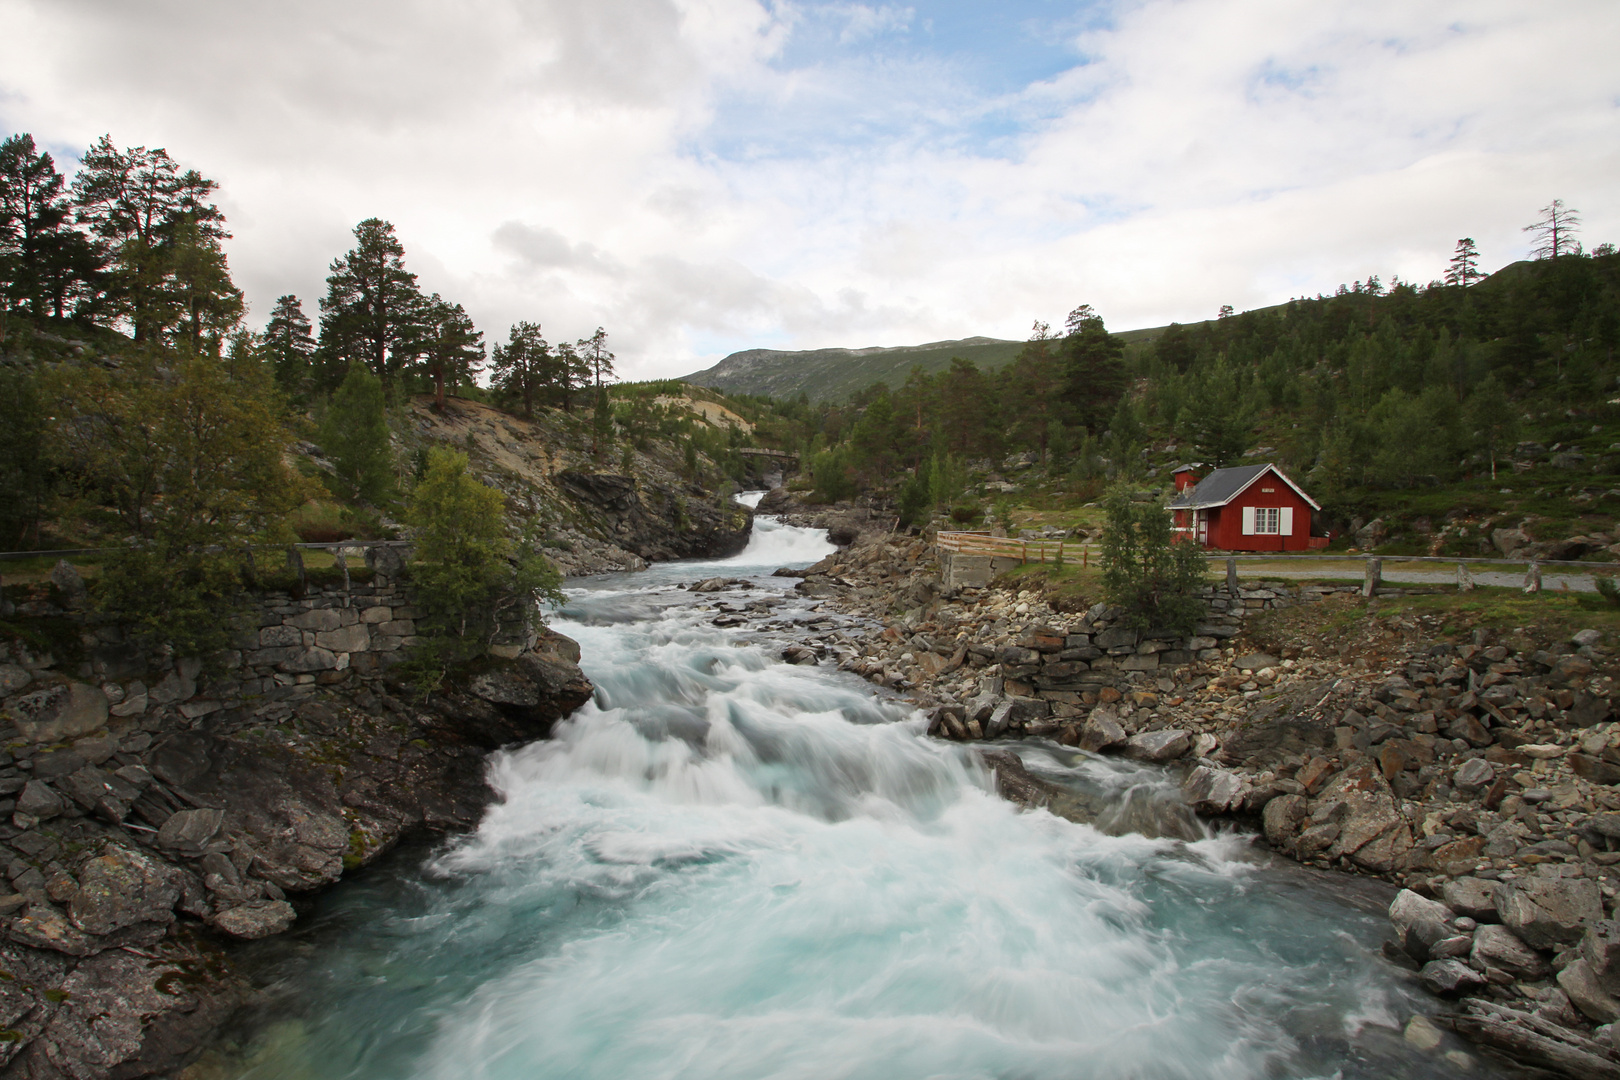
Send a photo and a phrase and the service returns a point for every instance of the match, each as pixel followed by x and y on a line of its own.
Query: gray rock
pixel 1214 791
pixel 1545 912
pixel 44 927
pixel 60 712
pixel 122 888
pixel 256 919
pixel 1587 994
pixel 1495 946
pixel 1165 745
pixel 1101 731
pixel 1408 909
pixel 66 578
pixel 276 637
pixel 1281 818
pixel 999 719
pixel 356 638
pixel 40 801
pixel 55 764
pixel 172 688
pixel 1600 948
pixel 1450 978
pixel 317 619
pixel 1115 637
pixel 189 831
pixel 1471 896
pixel 1372 832
pixel 1254 662
pixel 1421 925
pixel 313 658
pixel 1586 637
pixel 13 679
pixel 504 688
pixel 1473 774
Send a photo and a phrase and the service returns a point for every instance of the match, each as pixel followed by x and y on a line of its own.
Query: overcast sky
pixel 700 176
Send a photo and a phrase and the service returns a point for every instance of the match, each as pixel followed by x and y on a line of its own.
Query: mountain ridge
pixel 833 374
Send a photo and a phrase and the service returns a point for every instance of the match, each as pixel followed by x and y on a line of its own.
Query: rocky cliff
pixel 597 513
pixel 156 810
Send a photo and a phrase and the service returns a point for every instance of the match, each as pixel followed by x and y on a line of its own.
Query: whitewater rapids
pixel 727 868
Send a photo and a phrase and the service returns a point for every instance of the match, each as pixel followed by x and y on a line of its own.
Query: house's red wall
pixel 1226 524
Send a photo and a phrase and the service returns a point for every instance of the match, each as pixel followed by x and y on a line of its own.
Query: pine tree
pixel 1464 268
pixel 155 229
pixel 597 358
pixel 372 313
pixel 37 240
pixel 1094 367
pixel 1554 233
pixel 354 434
pixel 454 348
pixel 524 366
pixel 289 344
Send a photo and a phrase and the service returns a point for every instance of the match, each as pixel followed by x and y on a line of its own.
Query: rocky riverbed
pixel 1479 777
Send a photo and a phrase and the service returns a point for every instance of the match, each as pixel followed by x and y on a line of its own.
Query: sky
pixel 703 176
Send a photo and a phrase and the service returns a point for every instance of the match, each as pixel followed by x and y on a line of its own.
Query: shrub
pixel 471 580
pixel 1152 578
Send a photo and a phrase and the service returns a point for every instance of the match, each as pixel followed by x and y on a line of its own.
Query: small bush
pixel 1155 580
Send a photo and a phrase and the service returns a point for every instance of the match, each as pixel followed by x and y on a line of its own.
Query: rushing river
pixel 726 867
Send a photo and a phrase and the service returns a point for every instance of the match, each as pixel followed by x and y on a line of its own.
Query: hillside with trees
pixel 141 416
pixel 1440 408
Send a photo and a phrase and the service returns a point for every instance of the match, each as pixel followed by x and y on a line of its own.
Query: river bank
pixel 1478 776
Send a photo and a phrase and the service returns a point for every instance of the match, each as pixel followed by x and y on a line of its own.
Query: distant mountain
pixel 835 374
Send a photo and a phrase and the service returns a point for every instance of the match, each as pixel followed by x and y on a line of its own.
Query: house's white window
pixel 1267 519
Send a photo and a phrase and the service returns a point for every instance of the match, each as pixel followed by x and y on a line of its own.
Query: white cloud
pixel 681 173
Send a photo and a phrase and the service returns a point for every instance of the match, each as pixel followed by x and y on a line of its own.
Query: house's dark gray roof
pixel 1223 485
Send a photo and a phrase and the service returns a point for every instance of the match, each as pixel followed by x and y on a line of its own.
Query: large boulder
pixel 59 712
pixel 1102 731
pixel 1281 818
pixel 1420 924
pixel 1496 947
pixel 1471 896
pixel 1546 912
pixel 1587 994
pixel 256 919
pixel 1600 948
pixel 1372 832
pixel 122 888
pixel 1165 745
pixel 1214 791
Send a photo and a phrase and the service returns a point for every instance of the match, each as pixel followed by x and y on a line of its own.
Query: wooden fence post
pixel 295 563
pixel 1375 577
pixel 1231 577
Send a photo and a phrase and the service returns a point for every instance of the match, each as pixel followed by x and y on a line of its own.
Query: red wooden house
pixel 1249 508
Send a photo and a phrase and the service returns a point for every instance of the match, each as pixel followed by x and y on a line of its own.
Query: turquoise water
pixel 729 867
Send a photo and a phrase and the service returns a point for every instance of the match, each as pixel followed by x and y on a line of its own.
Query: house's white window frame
pixel 1268 520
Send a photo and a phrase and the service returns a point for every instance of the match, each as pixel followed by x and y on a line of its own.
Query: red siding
pixel 1226 522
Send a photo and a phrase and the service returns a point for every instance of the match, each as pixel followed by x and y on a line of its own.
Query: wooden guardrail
pixel 1009 547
